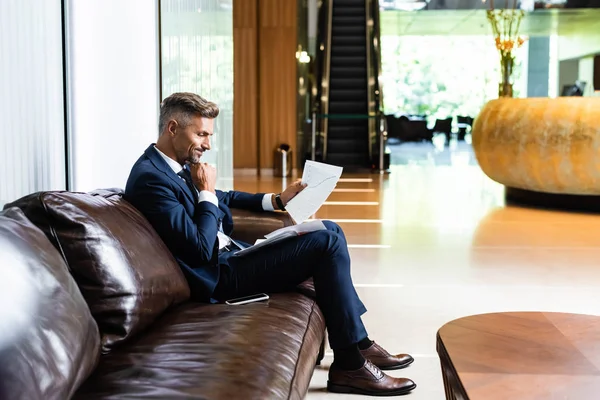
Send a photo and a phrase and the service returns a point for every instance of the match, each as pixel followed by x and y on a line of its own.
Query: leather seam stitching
pixel 312 311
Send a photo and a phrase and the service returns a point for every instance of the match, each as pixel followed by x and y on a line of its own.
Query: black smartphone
pixel 248 299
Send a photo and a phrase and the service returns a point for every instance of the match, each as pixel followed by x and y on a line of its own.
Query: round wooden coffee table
pixel 521 355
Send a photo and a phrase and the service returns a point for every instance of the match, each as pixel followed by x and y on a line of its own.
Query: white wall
pixel 31 98
pixel 577 46
pixel 113 100
pixel 586 74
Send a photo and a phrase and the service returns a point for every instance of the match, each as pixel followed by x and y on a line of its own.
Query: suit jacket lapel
pixel 162 165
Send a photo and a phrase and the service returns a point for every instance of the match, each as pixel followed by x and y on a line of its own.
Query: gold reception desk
pixel 541 144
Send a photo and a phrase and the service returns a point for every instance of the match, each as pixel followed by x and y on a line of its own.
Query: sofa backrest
pixel 125 272
pixel 49 342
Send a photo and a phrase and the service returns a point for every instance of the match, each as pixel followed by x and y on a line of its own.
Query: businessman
pixel 176 192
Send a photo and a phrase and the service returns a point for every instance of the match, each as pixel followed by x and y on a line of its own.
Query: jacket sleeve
pixel 243 200
pixel 190 233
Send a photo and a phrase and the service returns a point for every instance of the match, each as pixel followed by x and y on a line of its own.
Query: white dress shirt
pixel 205 195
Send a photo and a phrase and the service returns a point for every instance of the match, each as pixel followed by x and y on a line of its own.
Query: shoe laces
pixel 376 372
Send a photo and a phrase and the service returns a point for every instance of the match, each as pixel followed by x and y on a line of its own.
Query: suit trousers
pixel 322 255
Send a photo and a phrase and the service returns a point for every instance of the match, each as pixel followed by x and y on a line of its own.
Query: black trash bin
pixel 282 164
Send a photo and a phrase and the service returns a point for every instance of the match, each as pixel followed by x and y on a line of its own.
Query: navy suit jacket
pixel 189 229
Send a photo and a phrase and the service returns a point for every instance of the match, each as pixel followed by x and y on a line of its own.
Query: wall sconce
pixel 303 57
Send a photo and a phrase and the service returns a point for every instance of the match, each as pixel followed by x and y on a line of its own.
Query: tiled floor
pixel 449 248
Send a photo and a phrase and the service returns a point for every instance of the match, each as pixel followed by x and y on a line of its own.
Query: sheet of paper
pixel 265 242
pixel 306 227
pixel 321 180
pixel 282 234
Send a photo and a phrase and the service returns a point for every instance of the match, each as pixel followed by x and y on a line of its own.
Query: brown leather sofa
pixel 98 309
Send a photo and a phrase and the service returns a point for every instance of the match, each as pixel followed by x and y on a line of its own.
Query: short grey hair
pixel 182 107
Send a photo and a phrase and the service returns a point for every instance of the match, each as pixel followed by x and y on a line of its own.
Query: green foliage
pixel 442 76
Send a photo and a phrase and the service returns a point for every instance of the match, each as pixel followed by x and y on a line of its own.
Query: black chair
pixel 443 126
pixel 393 126
pixel 463 123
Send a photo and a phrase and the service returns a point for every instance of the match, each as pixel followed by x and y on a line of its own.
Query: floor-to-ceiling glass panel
pixel 197 56
pixel 32 155
pixel 444 76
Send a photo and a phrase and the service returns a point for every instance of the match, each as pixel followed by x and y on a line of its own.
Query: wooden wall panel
pixel 278 13
pixel 265 40
pixel 245 84
pixel 244 13
pixel 277 77
pixel 277 91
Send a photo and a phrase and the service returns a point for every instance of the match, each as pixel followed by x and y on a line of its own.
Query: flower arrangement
pixel 505 27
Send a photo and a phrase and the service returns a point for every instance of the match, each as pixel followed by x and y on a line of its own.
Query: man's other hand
pixel 204 176
pixel 291 191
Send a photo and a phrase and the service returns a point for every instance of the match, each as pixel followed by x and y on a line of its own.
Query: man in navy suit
pixel 176 192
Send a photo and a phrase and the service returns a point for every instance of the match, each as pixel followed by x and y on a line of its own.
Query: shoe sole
pixel 332 387
pixel 399 366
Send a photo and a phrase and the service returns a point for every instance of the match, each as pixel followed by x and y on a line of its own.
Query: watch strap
pixel 279 202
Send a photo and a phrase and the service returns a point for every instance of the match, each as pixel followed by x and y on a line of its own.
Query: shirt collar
pixel 175 166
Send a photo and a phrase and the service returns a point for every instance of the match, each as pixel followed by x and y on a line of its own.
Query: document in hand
pixel 321 180
pixel 284 233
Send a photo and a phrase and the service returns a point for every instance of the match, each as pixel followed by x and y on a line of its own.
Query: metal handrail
pixel 375 65
pixel 371 81
pixel 347 116
pixel 322 72
pixel 376 51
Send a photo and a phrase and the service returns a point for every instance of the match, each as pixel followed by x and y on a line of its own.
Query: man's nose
pixel 206 144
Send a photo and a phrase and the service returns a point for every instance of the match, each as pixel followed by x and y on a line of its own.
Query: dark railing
pixel 378 128
pixel 320 91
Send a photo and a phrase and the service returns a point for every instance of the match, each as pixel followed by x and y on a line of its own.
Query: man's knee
pixel 334 246
pixel 332 226
pixel 329 240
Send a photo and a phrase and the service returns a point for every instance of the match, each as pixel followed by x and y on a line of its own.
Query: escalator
pixel 348 103
pixel 348 130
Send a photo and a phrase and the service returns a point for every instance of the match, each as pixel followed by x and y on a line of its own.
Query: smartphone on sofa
pixel 248 299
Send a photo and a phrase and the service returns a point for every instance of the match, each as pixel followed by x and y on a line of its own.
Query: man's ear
pixel 172 127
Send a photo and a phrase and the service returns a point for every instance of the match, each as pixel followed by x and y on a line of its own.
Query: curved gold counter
pixel 541 144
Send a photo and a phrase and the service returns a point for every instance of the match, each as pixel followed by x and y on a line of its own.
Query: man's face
pixel 192 141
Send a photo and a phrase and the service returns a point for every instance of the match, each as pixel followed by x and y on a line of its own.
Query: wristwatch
pixel 279 202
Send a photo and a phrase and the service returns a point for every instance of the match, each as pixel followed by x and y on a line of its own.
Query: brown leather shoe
pixel 368 380
pixel 384 360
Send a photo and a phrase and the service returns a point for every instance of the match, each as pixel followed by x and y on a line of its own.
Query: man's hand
pixel 291 191
pixel 204 176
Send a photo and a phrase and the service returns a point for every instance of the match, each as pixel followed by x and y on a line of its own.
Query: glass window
pixel 197 56
pixel 32 155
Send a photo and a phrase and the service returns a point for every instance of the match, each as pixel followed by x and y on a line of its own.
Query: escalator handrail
pixel 320 101
pixel 375 42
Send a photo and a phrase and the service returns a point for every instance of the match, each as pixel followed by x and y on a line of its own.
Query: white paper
pixel 283 233
pixel 306 227
pixel 265 242
pixel 321 180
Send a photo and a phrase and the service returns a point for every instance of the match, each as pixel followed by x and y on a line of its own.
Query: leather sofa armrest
pixel 251 225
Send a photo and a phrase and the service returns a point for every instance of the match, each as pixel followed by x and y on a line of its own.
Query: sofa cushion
pixel 125 272
pixel 198 351
pixel 49 342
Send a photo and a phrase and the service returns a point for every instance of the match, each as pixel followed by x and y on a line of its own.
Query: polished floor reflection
pixel 441 244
